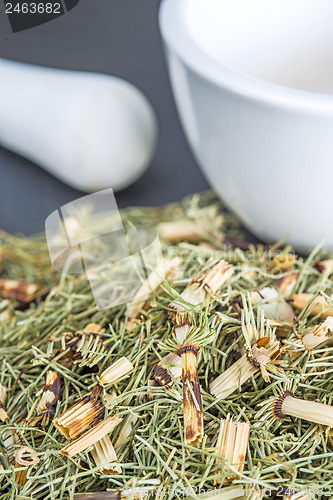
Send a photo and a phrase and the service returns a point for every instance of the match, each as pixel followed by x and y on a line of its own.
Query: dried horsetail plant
pixel 168 369
pixel 16 290
pixel 316 304
pixel 90 437
pixel 191 336
pixel 196 338
pixel 3 397
pixel 47 406
pixel 195 294
pixel 311 340
pixel 126 429
pixel 81 416
pixel 23 452
pixel 262 349
pixel 16 449
pixel 86 347
pixel 287 284
pixel 104 455
pixel 232 443
pixel 171 270
pixel 325 266
pixel 151 383
pixel 180 230
pixel 200 290
pixel 115 372
pixel 285 403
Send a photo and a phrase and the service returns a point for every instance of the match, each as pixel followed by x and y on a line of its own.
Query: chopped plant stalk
pixel 126 429
pixel 181 230
pixel 86 347
pixel 195 339
pixel 286 285
pixel 171 269
pixel 11 442
pixel 150 390
pixel 287 404
pixel 47 406
pixel 16 290
pixel 91 437
pixel 232 443
pixel 318 306
pixel 325 266
pixel 115 372
pixel 273 304
pixel 21 476
pixel 104 455
pixel 262 349
pixel 168 369
pixel 94 327
pixel 198 292
pixel 321 333
pixel 3 396
pixel 26 452
pixel 80 416
pixel 201 289
pixel 312 340
pixel 15 448
pixel 235 376
pixel 192 402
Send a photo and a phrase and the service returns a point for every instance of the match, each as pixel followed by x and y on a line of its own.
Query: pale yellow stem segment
pixel 312 411
pixel 273 304
pixel 217 276
pixel 208 283
pixel 232 445
pixel 116 371
pixel 170 270
pixel 176 231
pixel 126 429
pixel 319 335
pixel 104 455
pixel 229 381
pixel 319 305
pixel 91 437
pixel 287 284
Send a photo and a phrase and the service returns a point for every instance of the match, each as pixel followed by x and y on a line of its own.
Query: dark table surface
pixel 117 37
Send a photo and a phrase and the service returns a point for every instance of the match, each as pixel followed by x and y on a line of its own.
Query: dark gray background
pixel 118 37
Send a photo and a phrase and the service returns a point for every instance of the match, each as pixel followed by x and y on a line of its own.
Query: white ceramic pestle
pixel 92 131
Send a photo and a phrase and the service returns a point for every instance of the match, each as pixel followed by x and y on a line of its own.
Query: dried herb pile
pixel 249 347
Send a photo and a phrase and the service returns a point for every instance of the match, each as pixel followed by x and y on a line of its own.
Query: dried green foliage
pixel 154 459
